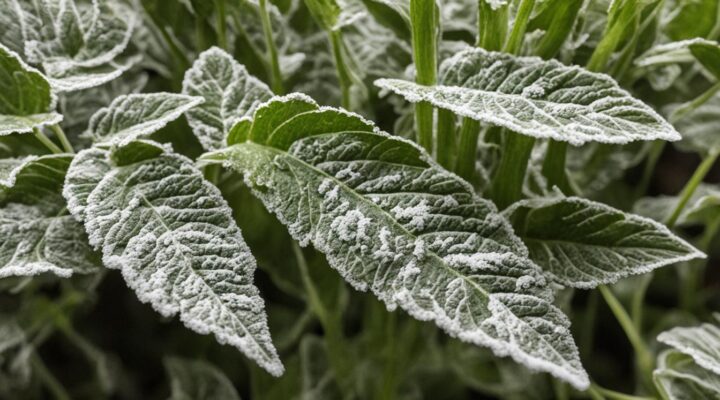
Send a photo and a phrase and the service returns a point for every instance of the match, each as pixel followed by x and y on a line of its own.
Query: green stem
pixel 690 187
pixel 588 325
pixel 594 394
pixel 63 139
pixel 467 150
pixel 343 74
pixel 682 111
pixel 276 77
pixel 390 375
pixel 222 24
pixel 561 390
pixel 638 300
pixel 559 29
pixel 514 43
pixel 46 141
pixel 611 38
pixel 553 167
pixel 445 138
pixel 695 270
pixel 492 26
pixel 506 187
pixel 611 394
pixel 424 26
pixel 48 379
pixel 653 157
pixel 642 353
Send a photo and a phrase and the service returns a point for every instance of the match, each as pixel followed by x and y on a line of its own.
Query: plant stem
pixel 276 81
pixel 506 187
pixel 611 394
pixel 611 38
pixel 467 150
pixel 653 157
pixel 343 73
pixel 492 26
pixel 642 353
pixel 636 308
pixel 63 139
pixel 446 148
pixel 222 24
pixel 682 111
pixel 48 379
pixel 514 43
pixel 46 141
pixel 560 389
pixel 424 26
pixel 553 167
pixel 690 187
pixel 588 325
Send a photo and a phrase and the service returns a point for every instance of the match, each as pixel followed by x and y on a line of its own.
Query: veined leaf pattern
pixel 702 343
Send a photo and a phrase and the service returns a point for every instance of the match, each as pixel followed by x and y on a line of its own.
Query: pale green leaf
pixel 230 93
pixel 702 343
pixel 173 237
pixel 543 99
pixel 582 243
pixel 703 205
pixel 680 378
pixel 26 100
pixel 33 179
pixel 706 52
pixel 198 380
pixel 134 116
pixel 11 34
pixel 81 78
pixel 392 221
pixel 699 128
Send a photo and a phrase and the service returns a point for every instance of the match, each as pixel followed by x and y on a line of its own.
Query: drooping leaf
pixel 392 221
pixel 230 93
pixel 33 179
pixel 699 128
pixel 173 237
pixel 582 243
pixel 702 343
pixel 706 52
pixel 134 116
pixel 678 377
pixel 26 100
pixel 198 380
pixel 544 99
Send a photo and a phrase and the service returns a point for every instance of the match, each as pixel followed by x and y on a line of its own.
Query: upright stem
pixel 63 139
pixel 553 167
pixel 446 141
pixel 514 43
pixel 46 141
pixel 612 36
pixel 506 187
pixel 690 187
pixel 636 308
pixel 492 26
pixel 276 77
pixel 424 21
pixel 467 150
pixel 613 395
pixel 222 24
pixel 52 384
pixel 686 108
pixel 343 73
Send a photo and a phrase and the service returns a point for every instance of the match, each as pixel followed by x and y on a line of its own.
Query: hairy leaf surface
pixel 392 221
pixel 195 379
pixel 134 116
pixel 680 378
pixel 702 343
pixel 230 94
pixel 26 100
pixel 33 179
pixel 539 98
pixel 700 128
pixel 173 237
pixel 582 243
pixel 706 52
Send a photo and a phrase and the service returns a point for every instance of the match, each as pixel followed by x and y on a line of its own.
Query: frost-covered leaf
pixel 11 26
pixel 81 78
pixel 699 128
pixel 173 237
pixel 706 52
pixel 592 167
pixel 15 354
pixel 134 116
pixel 33 179
pixel 230 93
pixel 544 99
pixel 678 377
pixel 702 206
pixel 26 100
pixel 582 243
pixel 392 221
pixel 198 380
pixel 702 343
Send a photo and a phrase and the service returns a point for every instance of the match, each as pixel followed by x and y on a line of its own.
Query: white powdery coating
pixel 417 214
pixel 495 4
pixel 671 53
pixel 85 78
pixel 702 343
pixel 10 168
pixel 589 243
pixel 174 239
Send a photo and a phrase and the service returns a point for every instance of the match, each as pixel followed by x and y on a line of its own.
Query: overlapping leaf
pixel 194 379
pixel 699 128
pixel 706 52
pixel 582 243
pixel 701 208
pixel 173 237
pixel 702 343
pixel 680 378
pixel 391 221
pixel 33 179
pixel 544 99
pixel 26 100
pixel 230 93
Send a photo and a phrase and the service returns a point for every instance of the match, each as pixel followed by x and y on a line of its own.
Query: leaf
pixel 11 26
pixel 691 19
pixel 699 128
pixel 582 243
pixel 679 378
pixel 703 205
pixel 706 52
pixel 134 116
pixel 198 380
pixel 15 352
pixel 702 343
pixel 81 78
pixel 543 99
pixel 33 179
pixel 26 100
pixel 230 93
pixel 392 221
pixel 173 237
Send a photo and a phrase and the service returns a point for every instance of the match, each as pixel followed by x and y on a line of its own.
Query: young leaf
pixel 26 100
pixel 173 237
pixel 195 379
pixel 230 93
pixel 392 221
pixel 138 115
pixel 582 243
pixel 544 99
pixel 678 377
pixel 702 343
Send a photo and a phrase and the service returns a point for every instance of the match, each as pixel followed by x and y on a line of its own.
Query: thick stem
pixel 690 187
pixel 553 167
pixel 424 23
pixel 342 70
pixel 514 43
pixel 276 77
pixel 492 26
pixel 467 150
pixel 46 141
pixel 506 187
pixel 446 141
pixel 63 139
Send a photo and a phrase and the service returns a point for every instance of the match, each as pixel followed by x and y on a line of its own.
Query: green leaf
pixel 230 94
pixel 699 128
pixel 325 12
pixel 33 179
pixel 173 237
pixel 706 52
pixel 26 100
pixel 678 377
pixel 135 116
pixel 691 19
pixel 702 343
pixel 582 243
pixel 392 221
pixel 704 204
pixel 15 352
pixel 11 34
pixel 198 380
pixel 543 99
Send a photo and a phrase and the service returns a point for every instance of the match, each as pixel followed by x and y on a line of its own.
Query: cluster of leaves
pixel 132 140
